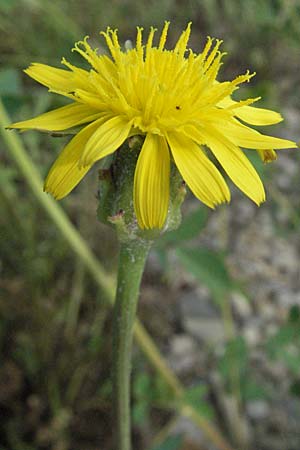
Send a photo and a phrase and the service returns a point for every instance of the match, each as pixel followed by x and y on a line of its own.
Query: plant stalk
pixel 132 260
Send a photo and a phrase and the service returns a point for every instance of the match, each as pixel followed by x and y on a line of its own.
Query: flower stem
pixel 131 266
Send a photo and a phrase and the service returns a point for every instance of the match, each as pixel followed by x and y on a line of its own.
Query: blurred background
pixel 220 297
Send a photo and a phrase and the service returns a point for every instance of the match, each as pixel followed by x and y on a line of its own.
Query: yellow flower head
pixel 173 98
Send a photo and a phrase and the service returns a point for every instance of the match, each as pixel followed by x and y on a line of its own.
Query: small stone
pixel 285 257
pixel 210 330
pixel 244 212
pixel 266 310
pixel 185 426
pixel 257 409
pixel 183 353
pixel 197 302
pixel 241 305
pixel 252 332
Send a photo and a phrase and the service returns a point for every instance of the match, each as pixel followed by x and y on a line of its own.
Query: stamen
pixel 139 43
pixel 206 49
pixel 109 42
pixel 150 39
pixel 180 47
pixel 115 38
pixel 243 78
pixel 212 55
pixel 213 70
pixel 87 52
pixel 163 36
pixel 190 66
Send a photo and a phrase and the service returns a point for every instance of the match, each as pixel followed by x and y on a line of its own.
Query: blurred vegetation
pixel 54 329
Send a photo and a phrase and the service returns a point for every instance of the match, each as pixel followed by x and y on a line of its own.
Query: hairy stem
pixel 131 266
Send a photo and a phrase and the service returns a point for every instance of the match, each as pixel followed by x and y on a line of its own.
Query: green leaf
pixel 8 176
pixel 142 385
pixel 143 393
pixel 162 393
pixel 140 412
pixel 189 228
pixel 10 83
pixel 194 396
pixel 279 345
pixel 7 5
pixel 235 356
pixel 171 443
pixel 286 336
pixel 209 268
pixel 26 355
pixel 163 258
pixel 196 391
pixel 252 390
pixel 295 388
pixel 292 361
pixel 294 314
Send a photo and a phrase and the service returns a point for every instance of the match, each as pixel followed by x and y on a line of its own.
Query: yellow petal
pixel 151 182
pixel 258 116
pixel 251 114
pixel 237 166
pixel 200 174
pixel 65 174
pixel 58 80
pixel 60 118
pixel 106 139
pixel 244 136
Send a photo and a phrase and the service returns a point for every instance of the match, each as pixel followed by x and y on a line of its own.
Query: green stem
pixel 131 266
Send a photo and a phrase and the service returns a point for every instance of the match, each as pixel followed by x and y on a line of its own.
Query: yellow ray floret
pixel 173 99
pixel 151 182
pixel 61 119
